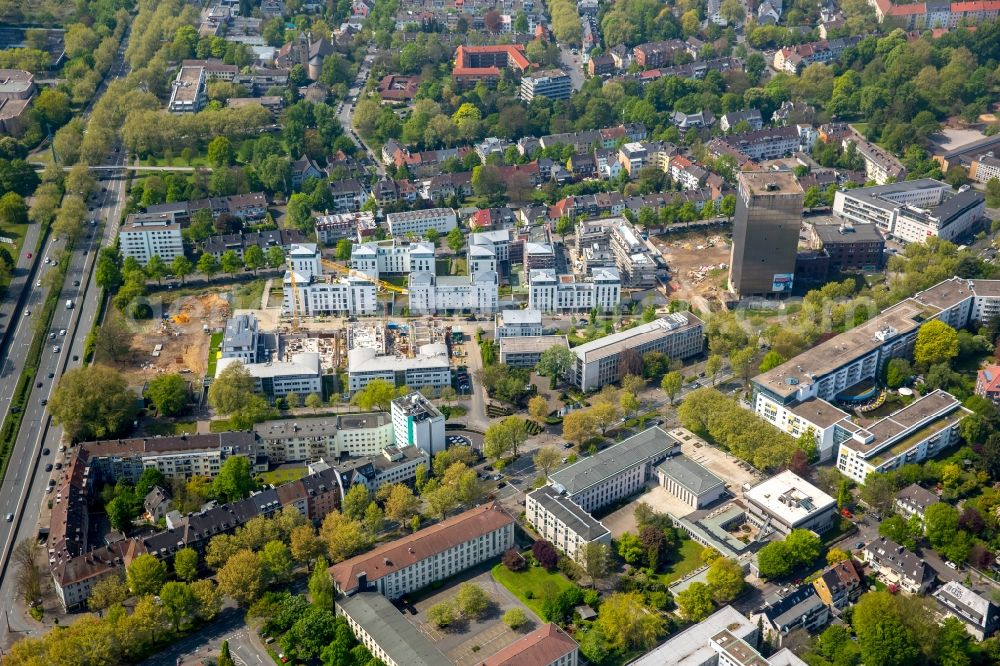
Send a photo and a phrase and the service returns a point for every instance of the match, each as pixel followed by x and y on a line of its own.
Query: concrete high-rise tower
pixel 765 233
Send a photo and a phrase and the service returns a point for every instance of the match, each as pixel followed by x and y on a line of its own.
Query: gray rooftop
pixel 400 640
pixel 633 337
pixel 240 331
pixel 569 513
pixel 917 496
pixel 520 317
pixel 833 232
pixel 692 647
pixel 650 443
pixel 690 474
pixel 531 344
pixel 789 609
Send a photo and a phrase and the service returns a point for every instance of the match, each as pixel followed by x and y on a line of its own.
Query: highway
pixel 23 491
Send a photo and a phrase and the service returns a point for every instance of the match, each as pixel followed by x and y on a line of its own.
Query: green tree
pixel 883 635
pixel 555 362
pixel 168 393
pixel 725 577
pixel 564 225
pixel 107 592
pixel 186 564
pixel 628 623
pixel 321 591
pixel 225 658
pixel 220 152
pixel 378 394
pixel 773 560
pixel 343 251
pixel 695 602
pixel 596 560
pixel 120 514
pixel 231 389
pixel 145 575
pixel 13 210
pixel 400 503
pixel 179 603
pixel 671 384
pixel 208 265
pixel 344 537
pixel 156 268
pixel 230 262
pixel 242 577
pixel 275 257
pixel 254 259
pixel 92 402
pixel 234 480
pixel 898 372
pixel 630 548
pixel 181 266
pixel 355 501
pixel 741 362
pixel 472 601
pixel 455 240
pixel 771 360
pixel 515 618
pixel 937 342
pixel 442 614
pixel 803 546
pixel 276 559
pixel 713 366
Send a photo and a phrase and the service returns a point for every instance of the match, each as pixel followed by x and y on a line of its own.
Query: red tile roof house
pixel 546 646
pixel 988 383
pixel 483 63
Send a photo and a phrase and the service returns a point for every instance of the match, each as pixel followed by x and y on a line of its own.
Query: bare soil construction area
pixel 699 267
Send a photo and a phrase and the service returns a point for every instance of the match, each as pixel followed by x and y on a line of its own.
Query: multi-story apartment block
pixel 265 240
pixel 518 323
pixel 418 423
pixel 348 195
pixel 897 566
pixel 633 157
pixel 549 292
pixel 912 210
pixel 799 609
pixel 434 553
pixel 840 584
pixel 327 438
pixel 498 241
pixel 244 206
pixel 428 367
pixel 636 263
pixel 616 472
pixel 331 228
pixel 393 465
pixel 980 616
pixel 787 502
pixel 985 168
pixel 188 93
pixel 242 339
pixel 481 259
pixel 769 143
pixel 752 118
pixel 214 68
pixel 388 636
pixel 563 522
pixel 936 15
pixel 394 256
pixel 417 222
pixel 914 500
pixel 301 374
pixel 430 293
pixel 880 165
pixel 308 292
pixel 849 246
pixel 483 63
pixel 145 235
pixel 552 83
pixel 679 335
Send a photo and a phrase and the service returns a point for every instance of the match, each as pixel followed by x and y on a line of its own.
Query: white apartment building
pixel 390 637
pixel 145 236
pixel 561 521
pixel 327 438
pixel 392 256
pixel 616 472
pixel 429 367
pixel 481 259
pixel 301 374
pixel 188 93
pixel 919 431
pixel 392 465
pixel 517 323
pixel 434 553
pixel 416 422
pixel 635 262
pixel 498 241
pixel 549 292
pixel 417 222
pixel 308 292
pixel 552 83
pixel 242 339
pixel 679 335
pixel 693 646
pixel 526 351
pixel 430 293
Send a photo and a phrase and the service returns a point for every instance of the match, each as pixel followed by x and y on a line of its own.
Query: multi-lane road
pixel 22 494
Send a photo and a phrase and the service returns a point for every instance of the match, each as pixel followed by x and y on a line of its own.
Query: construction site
pixel 699 268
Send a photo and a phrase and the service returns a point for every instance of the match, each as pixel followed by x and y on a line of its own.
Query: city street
pixel 345 113
pixel 23 493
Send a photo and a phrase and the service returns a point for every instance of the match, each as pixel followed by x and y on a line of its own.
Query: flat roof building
pixel 418 423
pixel 691 483
pixel 301 374
pixel 693 646
pixel 518 323
pixel 325 437
pixel 787 502
pixel 243 339
pixel 980 616
pixel 188 91
pixel 525 351
pixel 429 367
pixel 552 83
pixel 145 235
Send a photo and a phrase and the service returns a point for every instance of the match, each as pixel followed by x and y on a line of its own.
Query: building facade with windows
pixel 327 438
pixel 434 294
pixel 145 235
pixel 787 502
pixel 551 292
pixel 689 482
pixel 563 522
pixel 418 423
pixel 518 323
pixel 429 367
pixel 417 222
pixel 301 374
pixel 526 351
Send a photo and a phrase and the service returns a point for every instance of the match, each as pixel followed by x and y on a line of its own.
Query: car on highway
pixel 58 465
pixel 27 313
pixel 44 402
pixel 55 349
pixel 48 467
pixel 39 385
pixel 951 565
pixel 10 517
pixel 51 375
pixel 46 452
pixel 38 283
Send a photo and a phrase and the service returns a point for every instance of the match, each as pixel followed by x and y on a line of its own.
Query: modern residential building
pixel 980 615
pixel 765 233
pixel 988 383
pixel 787 502
pixel 799 609
pixel 188 93
pixel 897 566
pixel 301 374
pixel 417 222
pixel 916 432
pixel 552 83
pixel 417 423
pixel 382 629
pixel 517 323
pixel 434 553
pixel 481 259
pixel 616 472
pixel 913 500
pixel 606 360
pixel 332 228
pixel 309 292
pixel 733 651
pixel 393 465
pixel 693 646
pixel 428 367
pixel 636 263
pixel 840 584
pixel 144 236
pixel 912 210
pixel 243 340
pixel 770 143
pixel 560 520
pixel 325 438
pixel 881 166
pixel 689 482
pixel 797 396
pixel 430 293
pixel 850 246
pixel 548 645
pixel 394 256
pixel 525 351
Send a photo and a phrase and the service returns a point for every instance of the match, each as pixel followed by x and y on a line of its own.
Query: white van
pixel 69 305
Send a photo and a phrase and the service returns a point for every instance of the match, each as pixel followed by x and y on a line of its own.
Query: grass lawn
pixel 220 425
pixel 16 233
pixel 538 580
pixel 283 475
pixel 247 296
pixel 164 428
pixel 213 353
pixel 690 559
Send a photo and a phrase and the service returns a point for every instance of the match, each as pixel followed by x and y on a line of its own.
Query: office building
pixel 787 502
pixel 144 236
pixel 548 645
pixel 606 360
pixel 840 584
pixel 517 323
pixel 393 465
pixel 483 63
pixel 765 233
pixel 689 482
pixel 243 340
pixel 913 500
pixel 434 553
pixel 428 367
pixel 434 294
pixel 301 374
pixel 980 616
pixel 552 83
pixel 616 472
pixel 416 422
pixel 913 210
pixel 850 246
pixel 326 437
pixel 525 351
pixel 417 222
pixel 563 522
pixel 693 646
pixel 550 292
pixel 898 567
pixel 799 609
pixel 914 433
pixel 388 636
pixel 188 93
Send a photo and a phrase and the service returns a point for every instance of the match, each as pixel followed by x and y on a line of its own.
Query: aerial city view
pixel 500 333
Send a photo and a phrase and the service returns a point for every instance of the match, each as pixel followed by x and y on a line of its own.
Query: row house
pixel 447 185
pixel 251 206
pixel 685 172
pixel 655 54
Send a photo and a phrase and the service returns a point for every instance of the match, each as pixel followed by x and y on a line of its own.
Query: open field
pixel 537 580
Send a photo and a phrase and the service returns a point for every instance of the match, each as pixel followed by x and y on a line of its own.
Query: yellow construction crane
pixel 337 268
pixel 296 301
